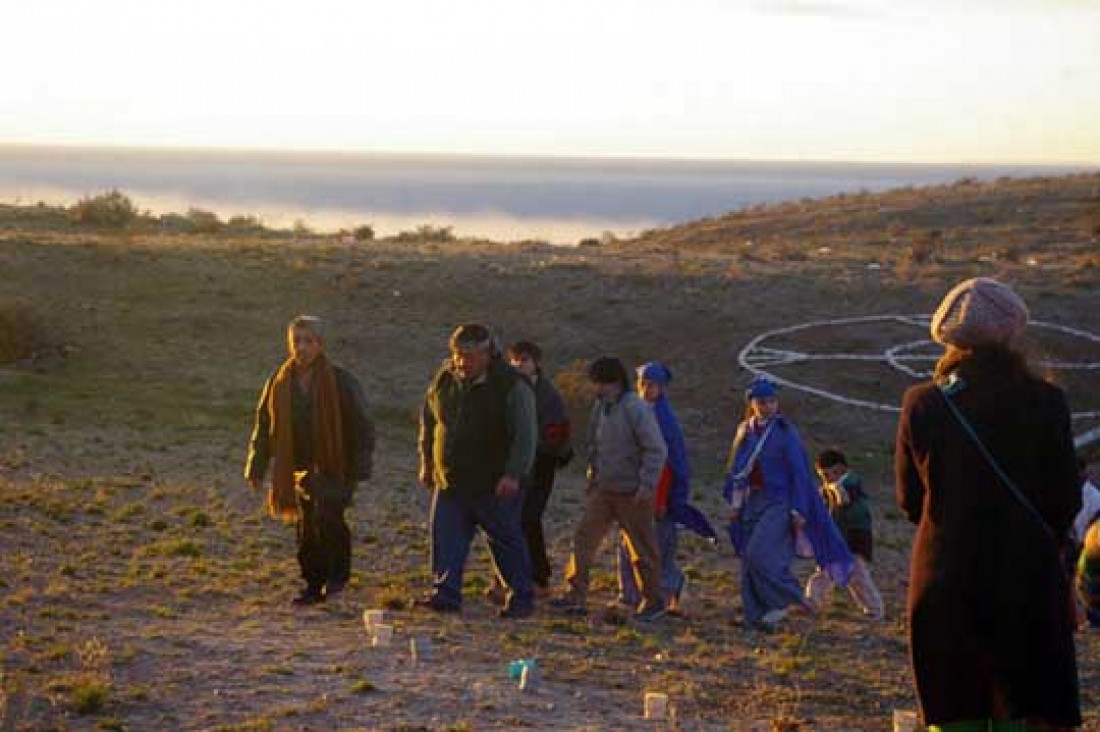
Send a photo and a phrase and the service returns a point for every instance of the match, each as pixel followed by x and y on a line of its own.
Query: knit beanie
pixel 979 311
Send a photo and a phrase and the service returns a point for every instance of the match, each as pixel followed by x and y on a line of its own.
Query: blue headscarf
pixel 761 388
pixel 679 509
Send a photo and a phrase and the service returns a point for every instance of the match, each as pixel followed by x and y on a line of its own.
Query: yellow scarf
pixel 328 436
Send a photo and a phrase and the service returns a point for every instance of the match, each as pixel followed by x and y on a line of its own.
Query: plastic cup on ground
pixel 382 635
pixel 372 618
pixel 656 705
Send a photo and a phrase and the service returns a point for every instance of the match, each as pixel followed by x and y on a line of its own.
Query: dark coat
pixel 988 599
pixel 356 422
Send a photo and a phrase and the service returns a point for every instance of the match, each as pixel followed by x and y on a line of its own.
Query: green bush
pixel 428 233
pixel 245 224
pixel 204 222
pixel 90 697
pixel 363 233
pixel 110 210
pixel 20 334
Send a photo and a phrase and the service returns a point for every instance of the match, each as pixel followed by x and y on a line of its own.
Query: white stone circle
pixel 909 358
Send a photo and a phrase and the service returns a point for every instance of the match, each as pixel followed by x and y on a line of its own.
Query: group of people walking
pixel 984 462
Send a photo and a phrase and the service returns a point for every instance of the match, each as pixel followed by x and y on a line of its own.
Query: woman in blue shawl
pixel 774 500
pixel 673 492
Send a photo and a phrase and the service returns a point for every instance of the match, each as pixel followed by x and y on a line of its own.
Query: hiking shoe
pixel 568 604
pixel 433 603
pixel 770 622
pixel 648 612
pixel 496 594
pixel 308 596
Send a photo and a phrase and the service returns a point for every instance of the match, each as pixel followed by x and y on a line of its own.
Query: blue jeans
pixel 672 577
pixel 454 518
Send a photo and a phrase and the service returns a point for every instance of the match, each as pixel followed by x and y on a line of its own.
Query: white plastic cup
pixel 382 635
pixel 527 678
pixel 656 705
pixel 905 721
pixel 372 618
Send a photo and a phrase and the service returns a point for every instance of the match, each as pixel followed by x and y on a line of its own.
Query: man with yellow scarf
pixel 312 426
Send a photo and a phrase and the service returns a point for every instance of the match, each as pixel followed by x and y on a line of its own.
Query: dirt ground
pixel 143 588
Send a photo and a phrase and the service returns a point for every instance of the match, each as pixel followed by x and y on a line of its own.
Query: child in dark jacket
pixel 850 508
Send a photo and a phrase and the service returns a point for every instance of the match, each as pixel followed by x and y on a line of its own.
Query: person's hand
pixel 255 483
pixel 797 521
pixel 507 487
pixel 734 514
pixel 425 479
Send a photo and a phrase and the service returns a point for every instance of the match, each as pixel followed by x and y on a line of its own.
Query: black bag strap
pixel 955 384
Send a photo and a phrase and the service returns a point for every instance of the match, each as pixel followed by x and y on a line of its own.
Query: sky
pixel 975 81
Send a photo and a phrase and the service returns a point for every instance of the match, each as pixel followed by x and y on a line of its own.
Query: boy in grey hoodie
pixel 625 456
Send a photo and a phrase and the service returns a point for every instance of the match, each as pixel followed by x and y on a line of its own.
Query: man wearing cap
pixel 477 442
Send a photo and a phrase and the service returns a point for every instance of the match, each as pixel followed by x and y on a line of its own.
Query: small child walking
pixel 850 508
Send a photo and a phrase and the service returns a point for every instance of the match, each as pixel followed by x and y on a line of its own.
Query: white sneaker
pixel 772 618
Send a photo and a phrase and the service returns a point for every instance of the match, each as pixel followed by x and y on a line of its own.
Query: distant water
pixel 559 199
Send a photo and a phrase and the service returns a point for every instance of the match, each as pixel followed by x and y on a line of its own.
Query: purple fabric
pixel 787 480
pixel 679 508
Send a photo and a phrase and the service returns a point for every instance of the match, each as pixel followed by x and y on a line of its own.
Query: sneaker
pixel 648 612
pixel 496 594
pixel 308 596
pixel 433 603
pixel 569 604
pixel 516 612
pixel 770 622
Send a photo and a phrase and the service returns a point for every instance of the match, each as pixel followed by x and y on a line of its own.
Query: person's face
pixel 606 390
pixel 470 363
pixel 832 473
pixel 649 390
pixel 525 364
pixel 305 347
pixel 764 408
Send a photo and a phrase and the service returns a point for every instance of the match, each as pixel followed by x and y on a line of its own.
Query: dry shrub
pixel 110 210
pixel 572 382
pixel 20 334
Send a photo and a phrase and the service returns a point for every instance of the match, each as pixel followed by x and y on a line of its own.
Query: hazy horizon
pixel 500 197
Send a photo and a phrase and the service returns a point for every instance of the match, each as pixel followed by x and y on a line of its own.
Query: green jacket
pixel 357 424
pixel 856 513
pixel 473 434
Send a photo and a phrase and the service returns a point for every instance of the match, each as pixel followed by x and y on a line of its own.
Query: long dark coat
pixel 988 600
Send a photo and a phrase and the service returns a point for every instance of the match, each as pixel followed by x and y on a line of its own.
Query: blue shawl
pixel 787 476
pixel 679 509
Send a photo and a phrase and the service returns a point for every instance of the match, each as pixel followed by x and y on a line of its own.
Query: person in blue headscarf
pixel 776 509
pixel 673 493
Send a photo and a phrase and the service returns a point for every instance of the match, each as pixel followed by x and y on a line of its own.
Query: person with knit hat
pixel 773 500
pixel 673 494
pixel 986 469
pixel 312 426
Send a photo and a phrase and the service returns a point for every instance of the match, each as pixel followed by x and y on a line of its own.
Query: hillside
pixel 142 587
